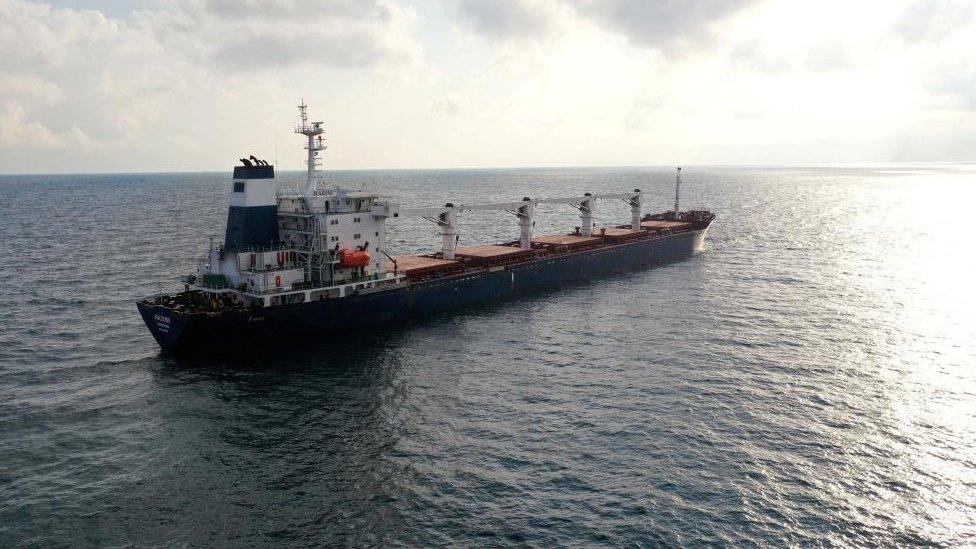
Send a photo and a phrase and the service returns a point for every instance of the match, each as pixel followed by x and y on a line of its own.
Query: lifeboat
pixel 353 258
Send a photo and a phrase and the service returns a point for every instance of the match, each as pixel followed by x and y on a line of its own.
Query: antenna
pixel 313 131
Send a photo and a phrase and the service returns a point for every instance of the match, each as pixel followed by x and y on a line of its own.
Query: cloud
pixel 942 35
pixel 29 86
pixel 56 65
pixel 71 78
pixel 449 105
pixel 669 25
pixel 295 10
pixel 187 83
pixel 956 91
pixel 509 20
pixel 278 34
pixel 37 36
pixel 934 20
pixel 257 49
pixel 643 110
pixel 16 131
pixel 828 57
pixel 753 56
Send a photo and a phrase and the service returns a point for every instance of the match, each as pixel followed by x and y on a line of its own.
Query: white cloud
pixel 669 25
pixel 29 86
pixel 17 131
pixel 449 105
pixel 257 35
pixel 508 20
pixel 194 84
pixel 753 55
pixel 80 79
pixel 934 20
pixel 664 25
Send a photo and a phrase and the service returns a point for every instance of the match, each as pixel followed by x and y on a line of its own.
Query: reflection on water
pixel 808 379
pixel 311 432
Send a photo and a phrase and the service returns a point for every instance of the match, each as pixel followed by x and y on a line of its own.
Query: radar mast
pixel 313 131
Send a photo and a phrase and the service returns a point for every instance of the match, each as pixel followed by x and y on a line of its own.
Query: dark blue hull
pixel 180 332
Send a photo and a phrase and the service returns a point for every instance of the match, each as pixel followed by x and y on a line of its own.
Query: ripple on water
pixel 805 381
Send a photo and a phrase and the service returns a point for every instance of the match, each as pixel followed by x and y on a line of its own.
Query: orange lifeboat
pixel 353 258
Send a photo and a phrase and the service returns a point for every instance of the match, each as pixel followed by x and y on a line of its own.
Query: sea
pixel 809 379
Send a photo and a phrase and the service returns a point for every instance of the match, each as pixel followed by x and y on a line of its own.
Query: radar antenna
pixel 313 131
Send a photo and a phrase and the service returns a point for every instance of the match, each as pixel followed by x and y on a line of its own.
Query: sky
pixel 190 85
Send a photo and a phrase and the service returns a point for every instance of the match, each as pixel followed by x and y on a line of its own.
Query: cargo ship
pixel 313 261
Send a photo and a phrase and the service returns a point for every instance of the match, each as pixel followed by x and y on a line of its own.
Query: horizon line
pixel 903 163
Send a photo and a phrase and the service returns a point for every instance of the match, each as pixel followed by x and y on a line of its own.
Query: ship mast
pixel 677 193
pixel 313 131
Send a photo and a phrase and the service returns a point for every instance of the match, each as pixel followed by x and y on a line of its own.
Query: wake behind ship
pixel 314 261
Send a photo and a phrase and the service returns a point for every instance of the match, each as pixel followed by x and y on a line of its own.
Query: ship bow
pixel 166 325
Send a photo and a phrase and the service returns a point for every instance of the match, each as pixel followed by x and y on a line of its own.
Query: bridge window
pixel 238 186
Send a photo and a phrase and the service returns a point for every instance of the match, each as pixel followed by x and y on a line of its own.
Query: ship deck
pixel 492 254
pixel 564 240
pixel 620 234
pixel 488 251
pixel 661 224
pixel 419 265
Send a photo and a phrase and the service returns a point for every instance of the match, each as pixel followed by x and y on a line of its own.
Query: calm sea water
pixel 810 379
